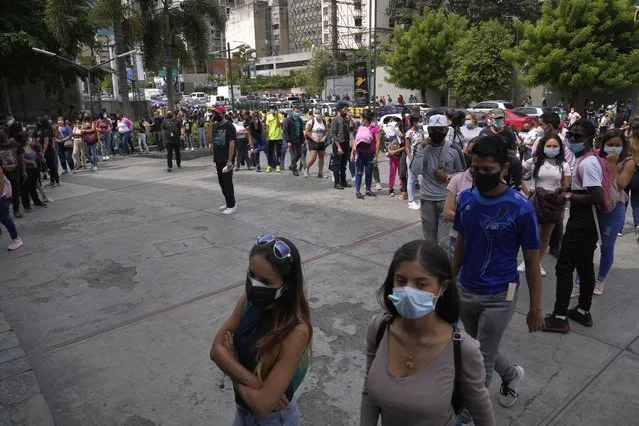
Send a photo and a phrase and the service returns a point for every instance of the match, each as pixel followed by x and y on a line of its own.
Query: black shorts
pixel 316 146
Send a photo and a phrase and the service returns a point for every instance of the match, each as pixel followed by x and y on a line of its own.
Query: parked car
pixel 533 110
pixel 516 119
pixel 486 106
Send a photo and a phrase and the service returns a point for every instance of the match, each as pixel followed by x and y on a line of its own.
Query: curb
pixel 21 401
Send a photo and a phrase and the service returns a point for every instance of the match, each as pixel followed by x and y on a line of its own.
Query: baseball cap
pixel 220 110
pixel 496 113
pixel 438 120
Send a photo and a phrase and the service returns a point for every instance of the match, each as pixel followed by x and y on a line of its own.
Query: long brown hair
pixel 290 310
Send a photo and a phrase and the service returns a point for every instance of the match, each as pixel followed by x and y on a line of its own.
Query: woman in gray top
pixel 410 361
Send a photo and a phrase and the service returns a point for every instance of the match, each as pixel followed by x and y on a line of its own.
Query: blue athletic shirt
pixel 494 228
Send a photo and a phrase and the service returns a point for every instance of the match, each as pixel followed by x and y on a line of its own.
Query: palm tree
pixel 242 56
pixel 168 30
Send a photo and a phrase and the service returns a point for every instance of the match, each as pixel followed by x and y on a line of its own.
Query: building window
pixel 276 26
pixel 358 6
pixel 325 38
pixel 277 37
pixel 358 21
pixel 358 38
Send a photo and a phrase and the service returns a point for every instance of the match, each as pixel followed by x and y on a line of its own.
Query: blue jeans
pixel 364 166
pixel 284 149
pixel 259 146
pixel 126 137
pixel 5 218
pixel 91 151
pixel 612 222
pixel 290 416
pixel 201 137
pixel 65 154
pixel 451 247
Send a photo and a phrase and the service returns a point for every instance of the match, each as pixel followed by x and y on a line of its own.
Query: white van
pixel 198 95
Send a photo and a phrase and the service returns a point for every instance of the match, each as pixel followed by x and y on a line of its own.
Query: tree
pixel 183 32
pixel 486 72
pixel 401 12
pixel 241 58
pixel 420 57
pixel 581 45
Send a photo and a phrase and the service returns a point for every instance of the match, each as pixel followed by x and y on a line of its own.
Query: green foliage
pixel 241 58
pixel 581 44
pixel 420 57
pixel 480 67
pixel 401 12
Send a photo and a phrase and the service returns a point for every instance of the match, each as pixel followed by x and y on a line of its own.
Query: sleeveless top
pixel 319 129
pixel 254 325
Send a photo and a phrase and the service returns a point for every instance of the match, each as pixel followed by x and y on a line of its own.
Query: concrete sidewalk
pixel 125 278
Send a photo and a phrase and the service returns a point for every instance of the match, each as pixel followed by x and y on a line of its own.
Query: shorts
pixel 316 146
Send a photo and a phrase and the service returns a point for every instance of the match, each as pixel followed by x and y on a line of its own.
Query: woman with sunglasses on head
pixel 419 368
pixel 265 345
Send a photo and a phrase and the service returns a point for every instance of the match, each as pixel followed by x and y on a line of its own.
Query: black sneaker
pixel 258 169
pixel 346 185
pixel 583 319
pixel 552 324
pixel 169 169
pixel 359 195
pixel 27 210
pixel 338 186
pixel 371 193
pixel 41 204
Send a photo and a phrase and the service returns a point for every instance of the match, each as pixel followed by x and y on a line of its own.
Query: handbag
pixel 548 204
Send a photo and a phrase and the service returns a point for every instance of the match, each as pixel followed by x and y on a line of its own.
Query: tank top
pixel 319 129
pixel 254 325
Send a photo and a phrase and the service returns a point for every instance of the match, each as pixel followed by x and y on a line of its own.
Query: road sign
pixel 162 73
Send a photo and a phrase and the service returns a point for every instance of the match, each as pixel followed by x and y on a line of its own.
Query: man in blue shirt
pixel 494 222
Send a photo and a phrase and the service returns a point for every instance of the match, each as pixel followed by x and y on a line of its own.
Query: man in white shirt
pixel 573 116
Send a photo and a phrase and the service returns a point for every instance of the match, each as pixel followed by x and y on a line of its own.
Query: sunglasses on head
pixel 281 250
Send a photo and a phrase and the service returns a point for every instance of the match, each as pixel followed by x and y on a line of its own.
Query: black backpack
pixel 457 400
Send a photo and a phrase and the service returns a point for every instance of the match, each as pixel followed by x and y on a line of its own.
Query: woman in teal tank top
pixel 265 345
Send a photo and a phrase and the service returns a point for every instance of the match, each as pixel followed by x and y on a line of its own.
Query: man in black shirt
pixel 173 134
pixel 497 126
pixel 156 131
pixel 341 136
pixel 223 137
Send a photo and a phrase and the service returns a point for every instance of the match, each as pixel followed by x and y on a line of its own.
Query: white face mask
pixel 318 117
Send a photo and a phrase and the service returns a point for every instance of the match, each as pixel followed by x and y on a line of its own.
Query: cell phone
pixel 227 169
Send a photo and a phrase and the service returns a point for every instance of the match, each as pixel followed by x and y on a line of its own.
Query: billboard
pixel 360 75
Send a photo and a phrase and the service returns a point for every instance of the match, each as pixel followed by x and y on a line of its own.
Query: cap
pixel 496 113
pixel 438 120
pixel 220 110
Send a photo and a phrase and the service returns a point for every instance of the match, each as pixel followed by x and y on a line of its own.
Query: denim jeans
pixel 142 145
pixel 410 184
pixel 290 416
pixel 201 137
pixel 126 137
pixel 91 151
pixel 612 222
pixel 451 246
pixel 364 166
pixel 6 220
pixel 283 153
pixel 65 154
pixel 258 146
pixel 485 318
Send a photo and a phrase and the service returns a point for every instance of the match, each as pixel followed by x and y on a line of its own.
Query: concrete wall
pixel 246 23
pixel 193 80
pixel 384 88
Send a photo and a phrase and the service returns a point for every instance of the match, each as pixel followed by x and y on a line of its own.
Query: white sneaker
pixel 413 205
pixel 107 157
pixel 104 158
pixel 543 271
pixel 306 172
pixel 378 186
pixel 521 267
pixel 508 390
pixel 15 244
pixel 229 210
pixel 94 168
pixel 223 207
pixel 637 232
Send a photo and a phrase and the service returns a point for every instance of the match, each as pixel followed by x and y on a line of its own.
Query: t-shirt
pixel 568 155
pixel 469 134
pixel 223 134
pixel 173 127
pixel 375 130
pixel 457 184
pixel 423 398
pixel 124 125
pixel 416 137
pixel 506 134
pixel 550 173
pixel 494 229
pixel 274 129
pixel 591 175
pixel 9 154
pixel 431 189
pixel 240 131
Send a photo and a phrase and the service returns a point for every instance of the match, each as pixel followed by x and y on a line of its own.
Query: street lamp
pixel 87 69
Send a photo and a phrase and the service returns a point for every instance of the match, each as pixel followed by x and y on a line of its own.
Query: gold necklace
pixel 410 364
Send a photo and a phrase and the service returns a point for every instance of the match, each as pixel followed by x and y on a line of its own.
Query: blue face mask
pixel 576 148
pixel 551 152
pixel 468 124
pixel 498 122
pixel 615 149
pixel 411 303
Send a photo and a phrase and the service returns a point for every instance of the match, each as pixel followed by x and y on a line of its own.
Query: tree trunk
pixel 5 95
pixel 168 61
pixel 422 92
pixel 120 48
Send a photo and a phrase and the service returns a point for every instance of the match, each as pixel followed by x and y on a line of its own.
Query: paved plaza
pixel 125 278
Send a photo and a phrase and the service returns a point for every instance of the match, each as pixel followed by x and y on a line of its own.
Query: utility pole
pixel 369 74
pixel 334 39
pixel 228 50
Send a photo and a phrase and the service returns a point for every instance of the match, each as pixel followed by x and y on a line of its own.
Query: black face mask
pixel 486 182
pixel 261 297
pixel 437 137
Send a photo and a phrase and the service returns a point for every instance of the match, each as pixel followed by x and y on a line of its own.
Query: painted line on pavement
pixel 131 321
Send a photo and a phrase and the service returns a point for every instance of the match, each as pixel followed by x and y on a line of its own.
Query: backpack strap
pixel 382 329
pixel 457 399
